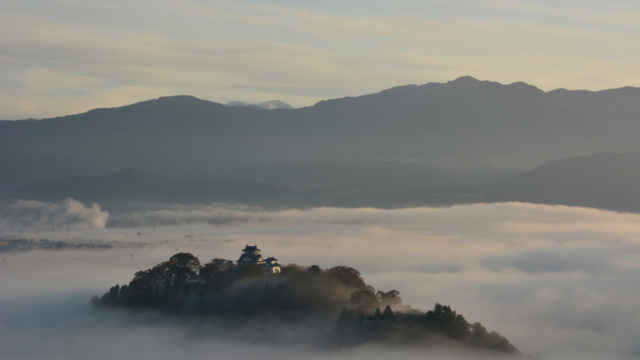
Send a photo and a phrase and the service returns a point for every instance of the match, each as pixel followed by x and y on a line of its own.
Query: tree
pixel 139 293
pixel 141 283
pixel 390 298
pixel 343 319
pixel 451 323
pixel 388 314
pixel 223 264
pixel 167 273
pixel 208 271
pixel 110 298
pixel 364 299
pixel 250 271
pixel 377 315
pixel 187 260
pixel 291 268
pixel 348 276
pixel 481 338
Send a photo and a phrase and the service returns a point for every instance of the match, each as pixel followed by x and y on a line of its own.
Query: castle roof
pixel 253 257
pixel 270 264
pixel 251 248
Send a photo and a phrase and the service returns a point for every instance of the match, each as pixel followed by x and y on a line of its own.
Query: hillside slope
pixel 617 109
pixel 133 187
pixel 604 180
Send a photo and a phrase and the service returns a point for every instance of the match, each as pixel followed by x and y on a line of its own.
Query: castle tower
pixel 251 256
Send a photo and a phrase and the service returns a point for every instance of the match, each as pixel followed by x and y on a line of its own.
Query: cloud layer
pixel 555 280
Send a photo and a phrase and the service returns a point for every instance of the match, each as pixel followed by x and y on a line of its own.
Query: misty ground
pixel 554 280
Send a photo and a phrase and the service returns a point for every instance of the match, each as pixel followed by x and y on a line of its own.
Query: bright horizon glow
pixel 62 57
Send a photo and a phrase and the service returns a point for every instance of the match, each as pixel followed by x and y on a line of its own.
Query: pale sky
pixel 62 57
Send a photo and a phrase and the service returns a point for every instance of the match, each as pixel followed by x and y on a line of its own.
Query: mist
pixel 38 214
pixel 555 280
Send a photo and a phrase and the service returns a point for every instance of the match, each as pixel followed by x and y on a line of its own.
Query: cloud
pixel 552 260
pixel 186 215
pixel 596 13
pixel 223 214
pixel 36 214
pixel 557 280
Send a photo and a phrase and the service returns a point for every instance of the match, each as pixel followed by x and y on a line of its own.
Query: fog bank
pixel 554 280
pixel 43 215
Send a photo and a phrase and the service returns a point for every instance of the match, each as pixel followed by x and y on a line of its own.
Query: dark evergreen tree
pixel 387 314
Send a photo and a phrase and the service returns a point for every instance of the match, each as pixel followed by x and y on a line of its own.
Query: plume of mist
pixel 238 215
pixel 37 214
pixel 188 215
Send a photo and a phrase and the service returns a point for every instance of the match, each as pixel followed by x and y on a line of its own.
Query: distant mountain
pixel 236 103
pixel 603 180
pixel 317 182
pixel 267 105
pixel 275 104
pixel 354 175
pixel 19 166
pixel 617 110
pixel 468 125
pixel 132 187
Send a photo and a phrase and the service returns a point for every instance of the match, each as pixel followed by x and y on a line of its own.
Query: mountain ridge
pixel 602 180
pixel 466 125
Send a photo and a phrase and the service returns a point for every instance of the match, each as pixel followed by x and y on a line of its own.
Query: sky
pixel 555 280
pixel 61 57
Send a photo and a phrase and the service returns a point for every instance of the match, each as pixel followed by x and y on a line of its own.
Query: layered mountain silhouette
pixel 603 180
pixel 348 174
pixel 132 187
pixel 617 110
pixel 307 184
pixel 470 126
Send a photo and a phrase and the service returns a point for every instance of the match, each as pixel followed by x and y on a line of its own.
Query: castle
pixel 251 256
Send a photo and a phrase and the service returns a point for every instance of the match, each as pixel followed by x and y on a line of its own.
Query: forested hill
pixel 251 299
pixel 464 124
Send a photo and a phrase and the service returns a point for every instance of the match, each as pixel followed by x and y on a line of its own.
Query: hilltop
pixel 248 297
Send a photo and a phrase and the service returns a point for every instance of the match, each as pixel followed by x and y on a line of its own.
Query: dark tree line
pixel 439 325
pixel 219 287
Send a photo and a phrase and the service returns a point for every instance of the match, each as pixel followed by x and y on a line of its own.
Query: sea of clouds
pixel 560 281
